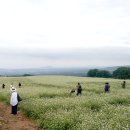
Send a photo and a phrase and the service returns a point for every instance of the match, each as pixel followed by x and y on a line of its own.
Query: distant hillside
pixel 45 71
pixel 53 71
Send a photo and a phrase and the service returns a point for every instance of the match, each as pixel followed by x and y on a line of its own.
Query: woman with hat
pixel 15 98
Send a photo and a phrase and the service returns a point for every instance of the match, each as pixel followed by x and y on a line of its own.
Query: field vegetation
pixel 47 100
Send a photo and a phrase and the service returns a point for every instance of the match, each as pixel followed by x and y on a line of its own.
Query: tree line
pixel 119 73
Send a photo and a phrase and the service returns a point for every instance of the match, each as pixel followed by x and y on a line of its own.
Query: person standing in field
pixel 14 99
pixel 107 87
pixel 79 89
pixel 3 86
pixel 19 84
pixel 123 84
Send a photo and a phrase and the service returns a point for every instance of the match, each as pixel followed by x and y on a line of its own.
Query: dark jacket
pixel 107 88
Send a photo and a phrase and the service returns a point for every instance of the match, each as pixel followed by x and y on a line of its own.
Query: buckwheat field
pixel 47 100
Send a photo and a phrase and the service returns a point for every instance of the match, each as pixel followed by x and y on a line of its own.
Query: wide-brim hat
pixel 13 89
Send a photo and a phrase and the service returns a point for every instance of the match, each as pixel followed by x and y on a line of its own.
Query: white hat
pixel 13 89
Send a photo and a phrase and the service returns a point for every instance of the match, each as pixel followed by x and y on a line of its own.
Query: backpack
pixel 19 98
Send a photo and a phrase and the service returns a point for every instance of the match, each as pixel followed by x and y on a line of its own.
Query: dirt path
pixel 14 122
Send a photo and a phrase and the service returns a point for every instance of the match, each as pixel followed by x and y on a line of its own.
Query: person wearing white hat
pixel 14 100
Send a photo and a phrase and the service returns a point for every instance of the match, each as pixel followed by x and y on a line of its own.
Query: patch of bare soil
pixel 15 122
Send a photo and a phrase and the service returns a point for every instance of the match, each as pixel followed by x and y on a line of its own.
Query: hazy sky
pixel 64 33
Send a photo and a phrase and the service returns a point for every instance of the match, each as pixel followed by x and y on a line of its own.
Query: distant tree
pixel 122 73
pixel 92 73
pixel 99 73
pixel 104 74
pixel 27 75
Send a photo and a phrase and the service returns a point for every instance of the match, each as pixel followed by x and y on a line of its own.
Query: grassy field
pixel 47 100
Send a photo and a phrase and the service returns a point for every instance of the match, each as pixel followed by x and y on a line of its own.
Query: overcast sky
pixel 64 33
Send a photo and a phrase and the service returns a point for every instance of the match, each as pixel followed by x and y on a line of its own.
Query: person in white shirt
pixel 14 99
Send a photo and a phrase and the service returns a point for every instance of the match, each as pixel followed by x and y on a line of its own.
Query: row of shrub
pixel 119 73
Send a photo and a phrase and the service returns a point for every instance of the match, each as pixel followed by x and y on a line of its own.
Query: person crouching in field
pixel 72 91
pixel 107 87
pixel 14 99
pixel 79 89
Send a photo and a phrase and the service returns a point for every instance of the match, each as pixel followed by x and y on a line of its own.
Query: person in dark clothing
pixel 123 84
pixel 3 86
pixel 19 84
pixel 79 89
pixel 107 87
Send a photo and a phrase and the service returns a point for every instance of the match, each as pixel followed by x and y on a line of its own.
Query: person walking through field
pixel 107 87
pixel 79 89
pixel 14 99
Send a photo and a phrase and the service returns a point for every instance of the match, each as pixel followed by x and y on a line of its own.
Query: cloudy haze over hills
pixel 70 33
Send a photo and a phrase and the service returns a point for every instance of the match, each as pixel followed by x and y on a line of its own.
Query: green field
pixel 47 100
